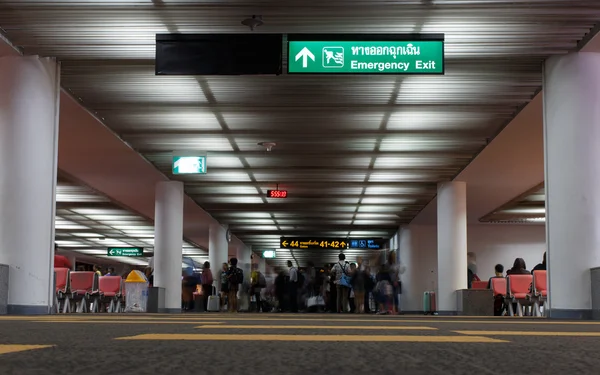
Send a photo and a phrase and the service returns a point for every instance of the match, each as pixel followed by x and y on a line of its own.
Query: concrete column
pixel 29 109
pixel 168 242
pixel 572 168
pixel 452 243
pixel 411 294
pixel 217 251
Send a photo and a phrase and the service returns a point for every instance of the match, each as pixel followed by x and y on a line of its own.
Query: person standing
pixel 97 270
pixel 61 261
pixel 257 283
pixel 235 276
pixel 340 270
pixel 293 287
pixel 206 280
pixel 224 286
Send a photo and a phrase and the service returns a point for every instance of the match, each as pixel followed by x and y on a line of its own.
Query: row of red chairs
pixel 522 290
pixel 86 291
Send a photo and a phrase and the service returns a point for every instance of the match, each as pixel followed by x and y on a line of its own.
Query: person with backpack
pixel 342 281
pixel 257 283
pixel 235 276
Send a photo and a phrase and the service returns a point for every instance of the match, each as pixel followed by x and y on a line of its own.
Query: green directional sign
pixel 125 251
pixel 189 164
pixel 269 254
pixel 366 57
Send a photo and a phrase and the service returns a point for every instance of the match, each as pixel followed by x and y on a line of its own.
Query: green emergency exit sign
pixel 366 57
pixel 189 164
pixel 125 251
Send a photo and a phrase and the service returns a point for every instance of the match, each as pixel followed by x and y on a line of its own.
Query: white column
pixel 217 251
pixel 452 243
pixel 572 163
pixel 411 297
pixel 29 108
pixel 168 241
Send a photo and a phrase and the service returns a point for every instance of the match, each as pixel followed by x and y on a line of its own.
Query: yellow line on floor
pixel 529 333
pixel 317 338
pixel 119 321
pixel 378 328
pixel 5 349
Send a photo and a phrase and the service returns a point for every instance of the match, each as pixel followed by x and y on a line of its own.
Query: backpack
pixel 237 276
pixel 301 279
pixel 262 282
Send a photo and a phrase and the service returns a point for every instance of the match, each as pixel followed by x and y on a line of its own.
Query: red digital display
pixel 277 193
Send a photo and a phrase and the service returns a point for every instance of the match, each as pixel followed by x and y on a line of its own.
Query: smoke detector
pixel 268 145
pixel 253 22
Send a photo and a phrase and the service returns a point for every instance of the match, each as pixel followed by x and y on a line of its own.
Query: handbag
pixel 315 301
pixel 345 279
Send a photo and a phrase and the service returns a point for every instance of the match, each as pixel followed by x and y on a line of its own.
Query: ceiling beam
pixel 419 187
pixel 335 134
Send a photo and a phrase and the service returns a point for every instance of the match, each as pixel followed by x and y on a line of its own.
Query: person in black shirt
pixel 541 266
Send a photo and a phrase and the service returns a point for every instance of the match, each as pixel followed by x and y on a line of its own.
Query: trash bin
pixel 136 292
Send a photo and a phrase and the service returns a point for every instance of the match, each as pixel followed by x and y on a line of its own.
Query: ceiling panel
pixel 528 208
pixel 358 152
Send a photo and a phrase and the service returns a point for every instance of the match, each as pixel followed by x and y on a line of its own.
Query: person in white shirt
pixel 343 292
pixel 293 287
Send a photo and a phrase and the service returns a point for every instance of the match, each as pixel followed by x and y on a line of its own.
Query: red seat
pixel 540 291
pixel 82 282
pixel 62 280
pixel 518 290
pixel 109 286
pixel 83 286
pixel 540 283
pixel 61 300
pixel 499 286
pixel 479 285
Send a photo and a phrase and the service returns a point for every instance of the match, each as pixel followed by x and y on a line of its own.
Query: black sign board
pixel 218 54
pixel 313 243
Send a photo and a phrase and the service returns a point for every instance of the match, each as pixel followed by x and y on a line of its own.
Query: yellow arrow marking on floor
pixel 379 328
pixel 317 338
pixel 5 349
pixel 529 333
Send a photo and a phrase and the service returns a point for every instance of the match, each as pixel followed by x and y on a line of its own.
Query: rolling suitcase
pixel 213 304
pixel 429 305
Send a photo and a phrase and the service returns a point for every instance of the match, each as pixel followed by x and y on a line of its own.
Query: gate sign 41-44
pixel 366 57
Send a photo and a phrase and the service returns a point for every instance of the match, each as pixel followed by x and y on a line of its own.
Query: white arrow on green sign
pixel 125 251
pixel 305 54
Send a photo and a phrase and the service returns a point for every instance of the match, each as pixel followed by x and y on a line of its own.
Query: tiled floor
pixel 295 344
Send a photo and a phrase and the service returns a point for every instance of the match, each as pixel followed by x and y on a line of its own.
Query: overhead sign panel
pixel 312 243
pixel 125 251
pixel 367 243
pixel 189 164
pixel 366 54
pixel 218 54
